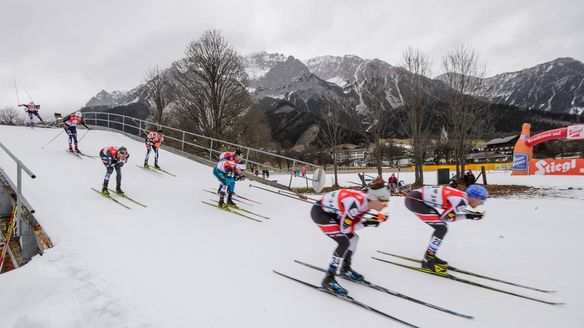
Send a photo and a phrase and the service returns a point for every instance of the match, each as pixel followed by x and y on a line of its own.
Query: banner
pixel 546 136
pixel 557 167
pixel 575 132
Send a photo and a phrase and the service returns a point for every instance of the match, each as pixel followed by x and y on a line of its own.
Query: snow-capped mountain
pixel 556 86
pixel 117 98
pixel 335 69
pixel 260 63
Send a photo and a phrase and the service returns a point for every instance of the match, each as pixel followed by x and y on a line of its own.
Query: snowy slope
pixel 180 263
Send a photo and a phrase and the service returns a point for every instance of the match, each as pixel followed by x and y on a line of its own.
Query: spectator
pixel 469 178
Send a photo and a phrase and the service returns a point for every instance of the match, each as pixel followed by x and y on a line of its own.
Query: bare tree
pixel 9 116
pixel 374 93
pixel 417 107
pixel 333 133
pixel 466 113
pixel 255 130
pixel 158 89
pixel 210 85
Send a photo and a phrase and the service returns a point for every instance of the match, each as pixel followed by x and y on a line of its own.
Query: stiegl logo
pixel 544 167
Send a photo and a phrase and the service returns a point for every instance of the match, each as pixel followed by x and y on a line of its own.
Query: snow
pixel 180 263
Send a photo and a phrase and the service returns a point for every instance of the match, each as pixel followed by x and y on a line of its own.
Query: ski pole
pixel 83 136
pixel 52 139
pixel 16 88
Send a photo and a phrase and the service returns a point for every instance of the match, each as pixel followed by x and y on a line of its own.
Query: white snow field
pixel 181 263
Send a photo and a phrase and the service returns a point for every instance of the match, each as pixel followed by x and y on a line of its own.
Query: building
pixel 496 150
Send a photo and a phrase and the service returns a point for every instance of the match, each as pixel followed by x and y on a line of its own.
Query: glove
pixel 374 223
pixel 240 178
pixel 471 215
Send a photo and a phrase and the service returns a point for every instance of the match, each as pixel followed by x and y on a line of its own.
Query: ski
pixel 231 211
pixel 237 199
pixel 164 171
pixel 249 200
pixel 345 298
pixel 128 198
pixel 237 208
pixel 451 268
pixel 468 282
pixel 111 198
pixel 74 153
pixel 388 291
pixel 149 170
pixel 83 154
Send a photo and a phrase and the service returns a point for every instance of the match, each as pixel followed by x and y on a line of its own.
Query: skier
pixel 153 141
pixel 426 201
pixel 31 109
pixel 232 156
pixel 227 172
pixel 70 124
pixel 339 214
pixel 392 183
pixel 113 158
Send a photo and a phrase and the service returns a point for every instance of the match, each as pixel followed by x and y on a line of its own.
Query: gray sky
pixel 62 52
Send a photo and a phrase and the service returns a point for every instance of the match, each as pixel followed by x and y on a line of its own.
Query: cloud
pixel 65 51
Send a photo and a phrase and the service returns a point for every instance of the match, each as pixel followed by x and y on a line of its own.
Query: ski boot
pixel 70 148
pixel 330 284
pixel 77 150
pixel 119 190
pixel 230 201
pixel 222 202
pixel 434 264
pixel 146 165
pixel 104 191
pixel 351 274
pixel 156 165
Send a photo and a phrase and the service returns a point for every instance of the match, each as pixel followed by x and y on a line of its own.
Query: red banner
pixel 557 167
pixel 560 133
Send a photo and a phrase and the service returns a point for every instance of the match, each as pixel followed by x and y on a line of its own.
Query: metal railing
pixel 201 145
pixel 20 200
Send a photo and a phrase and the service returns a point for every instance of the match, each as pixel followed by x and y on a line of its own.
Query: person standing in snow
pixel 227 171
pixel 153 141
pixel 31 109
pixel 113 158
pixel 339 214
pixel 70 124
pixel 427 202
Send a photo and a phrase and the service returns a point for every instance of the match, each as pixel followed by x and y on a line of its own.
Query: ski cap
pixel 477 191
pixel 123 151
pixel 159 131
pixel 78 114
pixel 379 191
pixel 238 152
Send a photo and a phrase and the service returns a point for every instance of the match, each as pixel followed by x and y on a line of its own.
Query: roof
pixel 486 154
pixel 502 140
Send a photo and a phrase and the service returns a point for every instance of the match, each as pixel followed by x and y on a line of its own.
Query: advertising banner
pixel 575 132
pixel 557 167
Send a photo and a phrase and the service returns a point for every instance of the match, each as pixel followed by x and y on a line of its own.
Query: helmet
pixel 238 152
pixel 477 191
pixel 123 151
pixel 379 191
pixel 78 114
pixel 159 131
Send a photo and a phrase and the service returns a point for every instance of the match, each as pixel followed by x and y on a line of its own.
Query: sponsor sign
pixel 520 162
pixel 546 136
pixel 575 132
pixel 557 167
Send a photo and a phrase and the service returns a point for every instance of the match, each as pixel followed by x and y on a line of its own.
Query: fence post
pixel 182 146
pixel 247 156
pixel 211 149
pixel 292 174
pixel 140 128
pixel 124 123
pixel 108 120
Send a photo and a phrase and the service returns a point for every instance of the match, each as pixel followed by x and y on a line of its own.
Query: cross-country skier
pixel 232 156
pixel 113 158
pixel 31 109
pixel 70 124
pixel 153 141
pixel 339 214
pixel 227 171
pixel 427 202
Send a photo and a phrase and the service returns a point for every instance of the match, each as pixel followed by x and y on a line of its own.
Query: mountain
pixel 556 86
pixel 295 94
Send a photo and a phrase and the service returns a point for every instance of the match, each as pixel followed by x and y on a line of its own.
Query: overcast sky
pixel 62 52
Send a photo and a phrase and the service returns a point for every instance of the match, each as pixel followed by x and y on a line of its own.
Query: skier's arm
pixel 350 220
pixel 83 123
